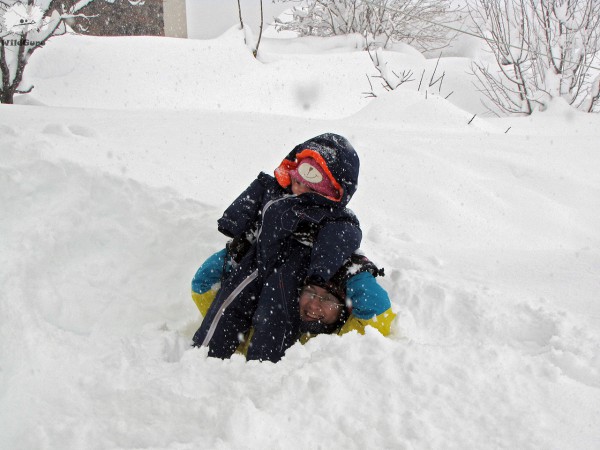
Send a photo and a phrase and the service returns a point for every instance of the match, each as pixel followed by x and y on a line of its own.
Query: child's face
pixel 317 304
pixel 299 188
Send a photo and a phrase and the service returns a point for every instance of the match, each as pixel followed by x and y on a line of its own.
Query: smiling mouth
pixel 311 317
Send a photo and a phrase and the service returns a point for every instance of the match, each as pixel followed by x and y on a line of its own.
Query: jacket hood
pixel 337 154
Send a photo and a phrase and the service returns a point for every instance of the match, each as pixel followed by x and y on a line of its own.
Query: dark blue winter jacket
pixel 273 217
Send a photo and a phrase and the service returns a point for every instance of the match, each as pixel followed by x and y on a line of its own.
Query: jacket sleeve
pixel 209 273
pixel 371 305
pixel 205 281
pixel 368 298
pixel 382 323
pixel 334 244
pixel 243 213
pixel 203 301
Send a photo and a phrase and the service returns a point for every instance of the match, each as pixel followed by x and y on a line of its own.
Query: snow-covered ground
pixel 115 169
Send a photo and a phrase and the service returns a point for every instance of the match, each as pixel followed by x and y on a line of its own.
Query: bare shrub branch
pixel 543 49
pixel 416 22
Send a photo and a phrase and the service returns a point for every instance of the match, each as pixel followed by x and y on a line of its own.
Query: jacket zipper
pixel 226 303
pixel 241 286
pixel 267 205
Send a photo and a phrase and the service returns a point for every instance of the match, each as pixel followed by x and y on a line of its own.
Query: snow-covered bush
pixel 25 26
pixel 543 49
pixel 416 22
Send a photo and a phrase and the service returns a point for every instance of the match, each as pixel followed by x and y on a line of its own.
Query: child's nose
pixel 315 305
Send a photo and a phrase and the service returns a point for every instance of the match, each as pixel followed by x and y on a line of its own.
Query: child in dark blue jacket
pixel 286 231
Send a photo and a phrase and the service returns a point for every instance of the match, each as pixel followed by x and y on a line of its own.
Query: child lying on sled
pixel 351 300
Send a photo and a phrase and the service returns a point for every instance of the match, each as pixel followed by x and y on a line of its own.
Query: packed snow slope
pixel 110 189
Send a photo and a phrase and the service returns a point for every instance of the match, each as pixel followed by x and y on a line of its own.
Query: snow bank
pixel 96 323
pixel 308 77
pixel 146 72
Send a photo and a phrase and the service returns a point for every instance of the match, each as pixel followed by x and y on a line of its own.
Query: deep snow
pixel 110 195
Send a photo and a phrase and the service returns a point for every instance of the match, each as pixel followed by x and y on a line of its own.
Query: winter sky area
pixel 115 169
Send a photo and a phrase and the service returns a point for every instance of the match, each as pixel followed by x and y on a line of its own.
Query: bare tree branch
pixel 240 14
pixel 24 41
pixel 262 21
